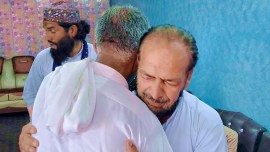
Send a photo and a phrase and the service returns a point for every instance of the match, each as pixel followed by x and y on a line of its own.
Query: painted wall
pixel 233 38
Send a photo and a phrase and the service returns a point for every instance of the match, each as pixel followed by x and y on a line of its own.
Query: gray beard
pixel 170 111
pixel 167 112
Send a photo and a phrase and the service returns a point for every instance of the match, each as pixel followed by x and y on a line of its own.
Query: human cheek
pixel 48 36
pixel 172 94
pixel 146 85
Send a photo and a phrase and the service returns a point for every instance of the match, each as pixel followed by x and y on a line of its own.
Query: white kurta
pixel 195 127
pixel 86 106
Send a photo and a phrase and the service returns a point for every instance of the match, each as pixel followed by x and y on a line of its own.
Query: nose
pixel 48 36
pixel 157 90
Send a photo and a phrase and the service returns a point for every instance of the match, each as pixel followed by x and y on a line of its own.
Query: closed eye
pixel 147 76
pixel 172 83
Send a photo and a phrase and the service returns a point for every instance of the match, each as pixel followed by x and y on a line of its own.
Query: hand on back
pixel 27 143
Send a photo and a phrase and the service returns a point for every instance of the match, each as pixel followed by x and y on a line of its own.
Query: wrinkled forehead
pixel 160 40
pixel 166 50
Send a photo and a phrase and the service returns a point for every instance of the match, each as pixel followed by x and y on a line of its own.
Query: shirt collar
pixel 78 54
pixel 110 73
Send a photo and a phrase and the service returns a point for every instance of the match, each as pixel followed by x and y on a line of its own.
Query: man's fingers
pixel 33 130
pixel 31 149
pixel 35 142
pixel 29 128
pixel 130 147
pixel 28 143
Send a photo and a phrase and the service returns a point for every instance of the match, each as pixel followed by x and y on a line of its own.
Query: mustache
pixel 52 42
pixel 159 100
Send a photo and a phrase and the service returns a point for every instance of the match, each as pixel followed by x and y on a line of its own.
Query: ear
pixel 189 74
pixel 135 63
pixel 72 31
pixel 138 58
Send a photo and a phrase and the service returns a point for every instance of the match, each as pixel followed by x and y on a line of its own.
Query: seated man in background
pixel 86 106
pixel 66 33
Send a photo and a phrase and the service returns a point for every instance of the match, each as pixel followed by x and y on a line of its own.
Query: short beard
pixel 64 48
pixel 165 112
pixel 168 112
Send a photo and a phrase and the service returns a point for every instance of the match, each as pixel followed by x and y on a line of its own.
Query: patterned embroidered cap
pixel 63 12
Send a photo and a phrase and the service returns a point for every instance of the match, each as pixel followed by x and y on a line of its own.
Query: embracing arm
pixel 27 143
pixel 130 147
